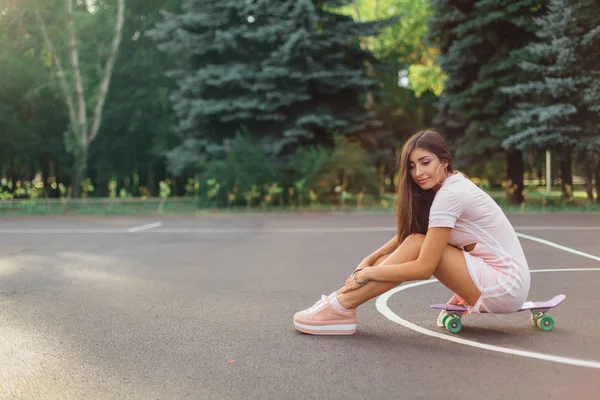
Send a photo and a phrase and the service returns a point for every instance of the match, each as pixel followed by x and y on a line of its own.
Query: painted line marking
pixel 558 246
pixel 145 227
pixel 330 230
pixel 276 230
pixel 59 230
pixel 150 228
pixel 382 307
pixel 557 228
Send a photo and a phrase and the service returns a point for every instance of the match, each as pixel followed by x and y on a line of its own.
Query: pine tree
pixel 289 73
pixel 590 19
pixel 557 108
pixel 447 16
pixel 480 43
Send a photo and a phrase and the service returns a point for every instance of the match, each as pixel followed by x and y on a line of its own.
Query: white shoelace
pixel 318 306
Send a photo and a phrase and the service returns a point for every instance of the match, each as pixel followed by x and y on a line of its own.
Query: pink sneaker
pixel 324 319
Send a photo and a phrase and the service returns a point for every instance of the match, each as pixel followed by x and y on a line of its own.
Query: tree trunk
pixel 82 126
pixel 589 177
pixel 81 134
pixel 110 63
pixel 514 167
pixel 80 154
pixel 540 175
pixel 45 171
pixel 598 182
pixel 566 174
pixel 151 184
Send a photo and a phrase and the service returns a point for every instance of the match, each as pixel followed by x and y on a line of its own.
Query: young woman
pixel 447 227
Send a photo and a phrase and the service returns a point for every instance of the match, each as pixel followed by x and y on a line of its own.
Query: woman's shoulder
pixel 454 183
pixel 466 191
pixel 458 180
pixel 460 187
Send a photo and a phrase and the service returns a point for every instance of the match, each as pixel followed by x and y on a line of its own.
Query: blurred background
pixel 128 106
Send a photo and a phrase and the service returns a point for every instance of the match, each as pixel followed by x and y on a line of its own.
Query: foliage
pixel 31 115
pixel 246 166
pixel 290 78
pixel 426 77
pixel 402 43
pixel 407 70
pixel 331 173
pixel 481 45
pixel 291 72
pixel 137 128
pixel 556 107
pixel 250 172
pixel 553 108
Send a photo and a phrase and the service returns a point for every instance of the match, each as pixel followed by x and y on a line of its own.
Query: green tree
pixel 291 73
pixel 557 106
pixel 84 111
pixel 410 79
pixel 31 113
pixel 138 122
pixel 481 46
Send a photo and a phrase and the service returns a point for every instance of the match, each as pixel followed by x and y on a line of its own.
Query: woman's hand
pixel 359 277
pixel 356 280
pixel 363 264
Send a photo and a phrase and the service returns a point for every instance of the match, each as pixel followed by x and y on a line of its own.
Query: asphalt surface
pixel 201 308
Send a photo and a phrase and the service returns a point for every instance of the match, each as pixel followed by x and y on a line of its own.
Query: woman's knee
pixel 411 246
pixel 416 239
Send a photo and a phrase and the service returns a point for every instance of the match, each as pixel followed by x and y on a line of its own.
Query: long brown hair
pixel 414 203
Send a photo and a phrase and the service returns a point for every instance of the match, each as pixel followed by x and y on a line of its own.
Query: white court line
pixel 79 230
pixel 382 307
pixel 558 246
pixel 276 230
pixel 59 230
pixel 149 228
pixel 335 230
pixel 557 228
pixel 144 227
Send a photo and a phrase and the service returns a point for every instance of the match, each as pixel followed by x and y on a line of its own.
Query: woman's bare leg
pixel 452 272
pixel 408 250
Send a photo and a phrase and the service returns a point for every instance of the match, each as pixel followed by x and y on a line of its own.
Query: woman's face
pixel 426 169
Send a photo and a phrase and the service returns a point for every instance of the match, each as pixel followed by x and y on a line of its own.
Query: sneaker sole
pixel 342 329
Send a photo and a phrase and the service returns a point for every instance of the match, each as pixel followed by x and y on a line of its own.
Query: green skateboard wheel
pixel 445 318
pixel 545 323
pixel 453 324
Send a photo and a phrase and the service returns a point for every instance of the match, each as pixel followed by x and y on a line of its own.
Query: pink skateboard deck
pixel 529 305
pixel 452 321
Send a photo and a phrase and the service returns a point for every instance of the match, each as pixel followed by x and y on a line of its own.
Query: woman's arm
pixel 433 248
pixel 371 258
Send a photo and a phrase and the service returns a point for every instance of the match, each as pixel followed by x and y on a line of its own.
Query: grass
pixel 536 201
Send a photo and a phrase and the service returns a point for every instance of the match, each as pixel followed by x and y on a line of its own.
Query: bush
pixel 251 174
pixel 240 177
pixel 335 175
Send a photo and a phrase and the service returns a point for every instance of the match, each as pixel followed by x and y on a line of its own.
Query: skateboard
pixel 452 321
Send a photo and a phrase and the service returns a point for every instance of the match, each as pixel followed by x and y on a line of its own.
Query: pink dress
pixel 497 264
